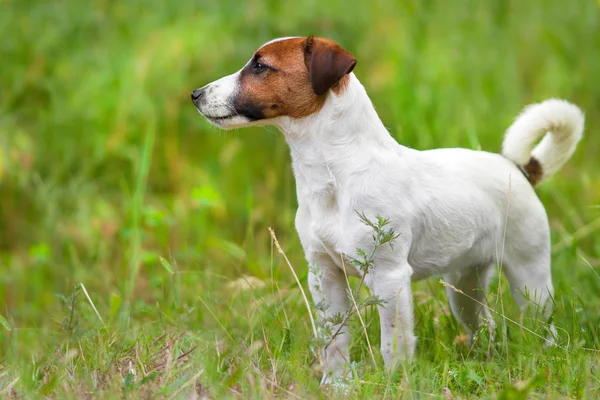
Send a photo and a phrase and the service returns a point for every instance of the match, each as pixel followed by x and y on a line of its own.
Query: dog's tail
pixel 561 125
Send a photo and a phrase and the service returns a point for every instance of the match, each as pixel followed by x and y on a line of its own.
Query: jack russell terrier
pixel 456 212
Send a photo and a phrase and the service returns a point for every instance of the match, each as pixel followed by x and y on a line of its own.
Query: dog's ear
pixel 327 63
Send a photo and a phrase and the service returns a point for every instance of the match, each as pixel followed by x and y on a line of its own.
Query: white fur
pixel 458 212
pixel 280 39
pixel 561 125
pixel 218 103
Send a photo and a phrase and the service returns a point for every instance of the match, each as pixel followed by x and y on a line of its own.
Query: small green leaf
pixel 149 257
pixel 129 380
pixel 115 304
pixel 372 301
pixel 41 253
pixel 167 265
pixel 206 195
pixel 230 248
pixel 286 343
pixel 5 323
pixel 149 378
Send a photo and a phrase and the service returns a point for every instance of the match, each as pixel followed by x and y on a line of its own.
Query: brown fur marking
pixel 327 63
pixel 285 88
pixel 339 87
pixel 534 171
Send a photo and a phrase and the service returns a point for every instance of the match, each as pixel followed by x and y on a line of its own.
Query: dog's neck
pixel 344 137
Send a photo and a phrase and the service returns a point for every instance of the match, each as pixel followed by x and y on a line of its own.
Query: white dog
pixel 457 212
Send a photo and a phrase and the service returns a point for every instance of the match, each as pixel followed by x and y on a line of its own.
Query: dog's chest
pixel 320 220
pixel 326 226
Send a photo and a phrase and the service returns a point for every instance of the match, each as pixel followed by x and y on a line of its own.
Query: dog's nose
pixel 197 95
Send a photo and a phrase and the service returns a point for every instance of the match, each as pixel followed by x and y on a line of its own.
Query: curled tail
pixel 560 126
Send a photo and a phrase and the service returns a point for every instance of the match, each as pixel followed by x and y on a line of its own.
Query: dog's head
pixel 285 77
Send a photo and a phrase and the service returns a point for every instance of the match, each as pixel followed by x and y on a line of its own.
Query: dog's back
pixel 462 209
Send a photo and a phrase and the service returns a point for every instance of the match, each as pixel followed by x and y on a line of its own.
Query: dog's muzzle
pixel 198 96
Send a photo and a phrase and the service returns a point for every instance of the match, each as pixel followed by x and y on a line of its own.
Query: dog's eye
pixel 258 67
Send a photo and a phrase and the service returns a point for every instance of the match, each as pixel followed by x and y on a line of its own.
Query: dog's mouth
pixel 215 118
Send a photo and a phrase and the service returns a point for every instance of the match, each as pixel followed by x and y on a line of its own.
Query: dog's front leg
pixel 329 291
pixel 391 283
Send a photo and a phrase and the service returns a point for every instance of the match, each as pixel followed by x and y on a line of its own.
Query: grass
pixel 135 255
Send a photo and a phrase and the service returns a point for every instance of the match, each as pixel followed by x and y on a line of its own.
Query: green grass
pixel 111 182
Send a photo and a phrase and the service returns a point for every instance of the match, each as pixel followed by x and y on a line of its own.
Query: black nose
pixel 197 94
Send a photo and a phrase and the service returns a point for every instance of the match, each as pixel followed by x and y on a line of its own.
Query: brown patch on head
pixel 534 171
pixel 291 77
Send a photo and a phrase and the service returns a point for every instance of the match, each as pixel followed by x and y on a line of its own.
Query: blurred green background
pixel 110 178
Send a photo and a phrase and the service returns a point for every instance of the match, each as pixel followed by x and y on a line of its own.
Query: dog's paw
pixel 550 340
pixel 333 379
pixel 340 385
pixel 339 377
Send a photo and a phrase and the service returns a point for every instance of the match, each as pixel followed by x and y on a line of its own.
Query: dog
pixel 455 212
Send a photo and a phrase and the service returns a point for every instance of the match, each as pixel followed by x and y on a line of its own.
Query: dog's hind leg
pixel 467 298
pixel 531 286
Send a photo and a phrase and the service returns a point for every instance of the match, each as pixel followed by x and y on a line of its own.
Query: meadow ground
pixel 135 256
